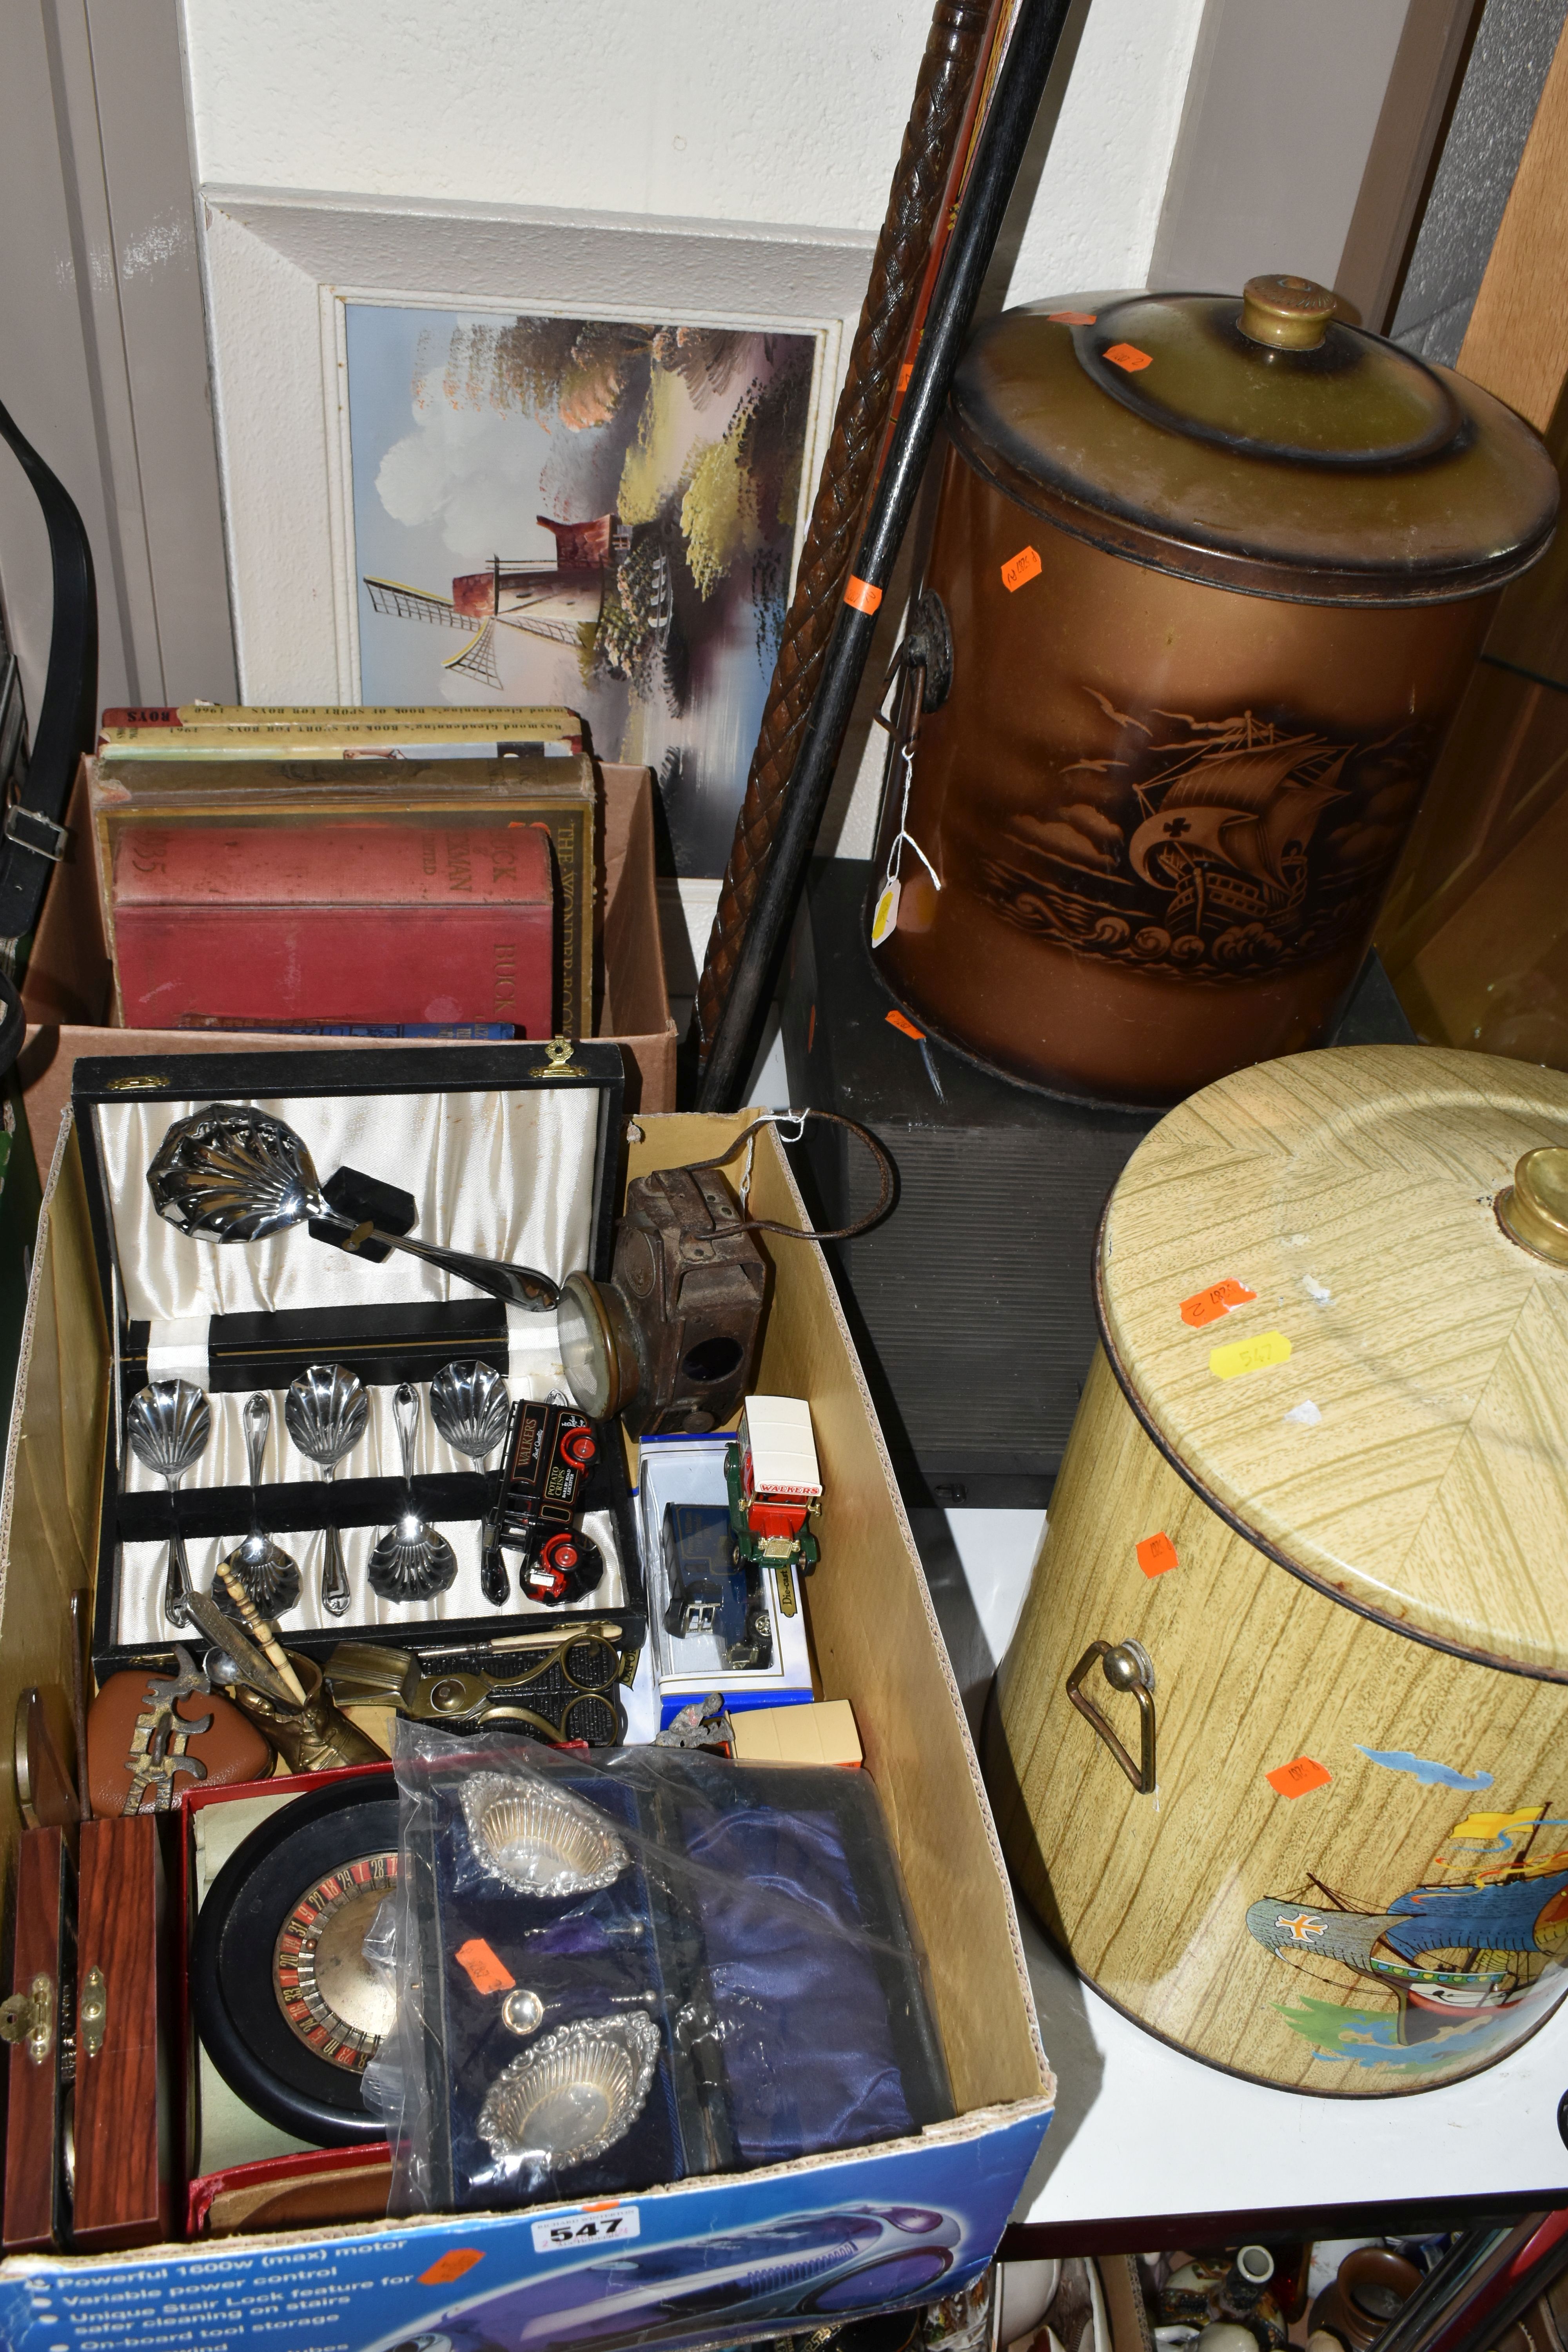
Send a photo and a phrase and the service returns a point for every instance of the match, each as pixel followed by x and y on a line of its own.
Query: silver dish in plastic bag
pixel 573 2096
pixel 541 1841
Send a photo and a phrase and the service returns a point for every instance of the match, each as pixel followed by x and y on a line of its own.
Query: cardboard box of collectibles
pixel 717 2257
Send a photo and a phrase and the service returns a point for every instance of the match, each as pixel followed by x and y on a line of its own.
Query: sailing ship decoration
pixel 1224 846
pixel 1461 1962
pixel 608 593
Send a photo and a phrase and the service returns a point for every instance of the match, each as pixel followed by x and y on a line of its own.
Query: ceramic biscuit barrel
pixel 1207 578
pixel 1279 1750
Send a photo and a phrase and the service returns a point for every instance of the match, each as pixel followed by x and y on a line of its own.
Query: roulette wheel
pixel 289 2009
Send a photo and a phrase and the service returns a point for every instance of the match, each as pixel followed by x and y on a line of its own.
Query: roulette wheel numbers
pixel 289 2009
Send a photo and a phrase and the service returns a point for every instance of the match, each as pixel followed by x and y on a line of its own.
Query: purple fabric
pixel 802 2014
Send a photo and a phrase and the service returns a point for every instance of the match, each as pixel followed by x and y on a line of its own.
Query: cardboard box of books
pixel 381 806
pixel 68 988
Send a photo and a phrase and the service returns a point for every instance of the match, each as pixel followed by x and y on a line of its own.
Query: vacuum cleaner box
pixel 726 2257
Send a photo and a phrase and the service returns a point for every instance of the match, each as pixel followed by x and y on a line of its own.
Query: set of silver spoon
pixel 169 1427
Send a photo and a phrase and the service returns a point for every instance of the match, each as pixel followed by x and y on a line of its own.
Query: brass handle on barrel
pixel 1126 1665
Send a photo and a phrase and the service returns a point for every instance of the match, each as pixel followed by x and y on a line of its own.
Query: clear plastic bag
pixel 619 1968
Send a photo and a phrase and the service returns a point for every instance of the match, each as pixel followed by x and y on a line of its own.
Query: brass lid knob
pixel 1533 1211
pixel 1291 313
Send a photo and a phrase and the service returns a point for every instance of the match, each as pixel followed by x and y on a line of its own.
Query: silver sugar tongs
pixel 232 1173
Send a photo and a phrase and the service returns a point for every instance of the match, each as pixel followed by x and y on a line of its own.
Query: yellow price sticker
pixel 1238 1356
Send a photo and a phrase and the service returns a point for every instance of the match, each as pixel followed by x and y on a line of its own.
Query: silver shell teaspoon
pixel 413 1560
pixel 325 1412
pixel 470 1407
pixel 167 1426
pixel 234 1174
pixel 267 1571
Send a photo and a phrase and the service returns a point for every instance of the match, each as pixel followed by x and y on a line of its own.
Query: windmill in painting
pixel 595 512
pixel 565 602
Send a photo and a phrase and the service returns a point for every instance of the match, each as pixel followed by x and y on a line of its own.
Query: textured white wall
pixel 724 109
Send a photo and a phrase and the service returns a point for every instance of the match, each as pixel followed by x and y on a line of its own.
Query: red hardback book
pixel 373 923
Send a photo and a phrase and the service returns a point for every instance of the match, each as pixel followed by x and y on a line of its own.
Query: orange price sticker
pixel 1020 569
pixel 862 596
pixel 1208 1306
pixel 453 2264
pixel 1156 1555
pixel 1129 356
pixel 898 1020
pixel 1072 318
pixel 1296 1778
pixel 484 1970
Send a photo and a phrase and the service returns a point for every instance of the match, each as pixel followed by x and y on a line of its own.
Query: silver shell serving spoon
pixel 168 1425
pixel 234 1174
pixel 267 1572
pixel 471 1409
pixel 413 1560
pixel 325 1412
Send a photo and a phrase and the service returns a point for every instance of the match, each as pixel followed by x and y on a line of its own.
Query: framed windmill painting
pixel 595 512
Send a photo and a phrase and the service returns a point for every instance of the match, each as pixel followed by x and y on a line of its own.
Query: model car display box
pixel 727 2257
pixel 69 990
pixel 704 1606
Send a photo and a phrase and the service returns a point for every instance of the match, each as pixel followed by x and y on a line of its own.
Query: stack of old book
pixel 387 872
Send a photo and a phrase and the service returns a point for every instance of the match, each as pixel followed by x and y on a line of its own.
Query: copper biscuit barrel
pixel 1207 580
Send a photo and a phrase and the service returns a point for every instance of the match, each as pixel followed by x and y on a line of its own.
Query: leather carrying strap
pixel 806 1232
pixel 32 834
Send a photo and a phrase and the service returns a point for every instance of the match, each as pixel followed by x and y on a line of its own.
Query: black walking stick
pixel 1030 55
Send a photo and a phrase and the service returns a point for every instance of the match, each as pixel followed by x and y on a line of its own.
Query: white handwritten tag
pixel 886 917
pixel 588 2226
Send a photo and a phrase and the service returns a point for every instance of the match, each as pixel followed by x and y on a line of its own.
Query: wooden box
pixel 124 2131
pixel 42 1966
pixel 1279 1748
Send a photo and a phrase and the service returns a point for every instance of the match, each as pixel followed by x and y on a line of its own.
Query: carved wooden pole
pixel 955 51
pixel 999 150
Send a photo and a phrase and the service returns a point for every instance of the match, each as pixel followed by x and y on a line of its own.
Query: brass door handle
pixel 1126 1667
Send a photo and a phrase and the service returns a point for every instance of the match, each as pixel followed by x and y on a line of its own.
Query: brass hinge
pixel 92 2012
pixel 29 2017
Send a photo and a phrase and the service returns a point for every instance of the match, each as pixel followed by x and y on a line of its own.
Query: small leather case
pixel 135 1738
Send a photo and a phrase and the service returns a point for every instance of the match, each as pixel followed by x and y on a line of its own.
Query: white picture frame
pixel 280 269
